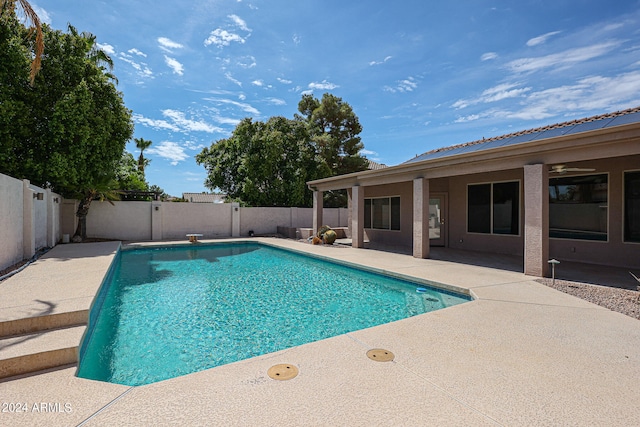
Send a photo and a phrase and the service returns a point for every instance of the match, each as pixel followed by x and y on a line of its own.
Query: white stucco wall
pixel 263 220
pixel 141 221
pixel 10 221
pixel 120 221
pixel 22 232
pixel 40 208
pixel 209 219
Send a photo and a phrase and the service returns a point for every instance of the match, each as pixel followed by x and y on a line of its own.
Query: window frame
pixel 390 219
pixel 491 206
pixel 608 175
pixel 624 208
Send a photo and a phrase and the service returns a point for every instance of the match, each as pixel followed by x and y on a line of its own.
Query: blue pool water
pixel 166 312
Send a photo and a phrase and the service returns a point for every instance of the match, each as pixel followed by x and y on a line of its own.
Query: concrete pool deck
pixel 521 354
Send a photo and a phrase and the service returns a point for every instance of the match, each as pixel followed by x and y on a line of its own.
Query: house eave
pixel 561 149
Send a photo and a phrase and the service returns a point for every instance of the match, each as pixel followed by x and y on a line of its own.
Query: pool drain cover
pixel 380 355
pixel 282 372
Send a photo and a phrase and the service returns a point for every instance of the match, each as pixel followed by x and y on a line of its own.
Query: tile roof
pixel 374 165
pixel 203 197
pixel 574 126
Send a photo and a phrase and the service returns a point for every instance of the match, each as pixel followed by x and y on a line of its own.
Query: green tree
pixel 334 129
pixel 142 144
pixel 129 177
pixel 16 121
pixel 8 8
pixel 263 163
pixel 71 125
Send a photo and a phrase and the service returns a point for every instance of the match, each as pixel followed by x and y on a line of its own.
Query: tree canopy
pixel 263 163
pixel 334 130
pixel 68 130
pixel 268 163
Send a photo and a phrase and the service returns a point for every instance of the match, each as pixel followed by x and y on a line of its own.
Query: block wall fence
pixel 32 218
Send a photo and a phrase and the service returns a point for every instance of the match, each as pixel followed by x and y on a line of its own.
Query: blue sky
pixel 419 74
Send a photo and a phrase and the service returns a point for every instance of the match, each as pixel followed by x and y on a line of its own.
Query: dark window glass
pixel 395 213
pixel 578 207
pixel 479 210
pixel 382 213
pixel 506 204
pixel 367 213
pixel 632 207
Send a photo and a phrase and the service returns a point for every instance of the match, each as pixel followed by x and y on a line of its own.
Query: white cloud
pixel 176 66
pixel 368 152
pixel 284 81
pixel 247 62
pixel 296 39
pixel 135 51
pixel 106 48
pixel 493 94
pixel 239 22
pixel 567 58
pixel 169 150
pixel 168 45
pixel 371 63
pixel 220 37
pixel 595 93
pixel 244 107
pixel 155 124
pixel 188 125
pixel 407 85
pixel 541 39
pixel 276 101
pixel 259 83
pixel 232 79
pixel 42 14
pixel 323 85
pixel 142 70
pixel 488 56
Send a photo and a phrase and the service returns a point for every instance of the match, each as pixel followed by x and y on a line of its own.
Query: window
pixel 578 207
pixel 494 208
pixel 632 207
pixel 382 213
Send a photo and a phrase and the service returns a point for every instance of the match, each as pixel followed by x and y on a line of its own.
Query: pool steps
pixel 34 344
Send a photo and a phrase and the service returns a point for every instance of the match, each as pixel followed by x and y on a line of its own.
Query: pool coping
pixel 519 354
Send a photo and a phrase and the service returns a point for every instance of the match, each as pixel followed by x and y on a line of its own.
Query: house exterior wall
pixel 614 251
pixel 404 236
pixel 459 238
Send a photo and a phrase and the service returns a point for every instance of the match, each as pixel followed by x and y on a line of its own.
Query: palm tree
pixel 142 145
pixel 103 189
pixel 31 16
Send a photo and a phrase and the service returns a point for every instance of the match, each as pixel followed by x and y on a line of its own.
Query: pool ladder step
pixel 34 344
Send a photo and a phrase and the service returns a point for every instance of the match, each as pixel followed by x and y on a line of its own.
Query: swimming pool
pixel 168 311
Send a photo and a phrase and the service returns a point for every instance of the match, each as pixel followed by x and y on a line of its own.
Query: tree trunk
pixel 81 213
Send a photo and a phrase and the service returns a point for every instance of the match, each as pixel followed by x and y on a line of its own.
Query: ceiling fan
pixel 564 169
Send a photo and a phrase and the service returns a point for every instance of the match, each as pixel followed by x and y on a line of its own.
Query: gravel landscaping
pixel 621 300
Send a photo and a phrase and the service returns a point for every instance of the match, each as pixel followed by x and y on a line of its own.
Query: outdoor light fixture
pixel 56 200
pixel 157 208
pixel 553 263
pixel 38 196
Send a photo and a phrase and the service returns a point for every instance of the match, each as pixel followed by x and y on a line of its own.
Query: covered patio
pixel 567 191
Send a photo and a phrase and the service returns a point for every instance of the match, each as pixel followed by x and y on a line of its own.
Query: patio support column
pixel 421 218
pixel 317 210
pixel 357 217
pixel 536 220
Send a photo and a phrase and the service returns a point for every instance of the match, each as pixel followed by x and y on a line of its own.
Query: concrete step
pixel 40 350
pixel 32 324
